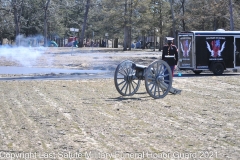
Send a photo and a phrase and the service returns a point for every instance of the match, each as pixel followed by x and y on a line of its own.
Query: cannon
pixel 158 78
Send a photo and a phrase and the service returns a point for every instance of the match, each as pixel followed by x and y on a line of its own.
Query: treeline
pixel 122 20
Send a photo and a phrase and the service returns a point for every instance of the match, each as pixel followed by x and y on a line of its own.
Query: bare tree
pixel 46 5
pixel 130 26
pixel 161 25
pixel 126 19
pixel 231 15
pixel 84 23
pixel 183 14
pixel 162 21
pixel 125 27
pixel 17 12
pixel 173 20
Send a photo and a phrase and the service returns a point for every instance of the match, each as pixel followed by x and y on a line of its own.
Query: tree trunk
pixel 125 28
pixel 116 43
pixel 214 23
pixel 173 19
pixel 161 26
pixel 17 12
pixel 45 22
pixel 81 38
pixel 130 27
pixel 231 16
pixel 129 38
pixel 183 20
pixel 154 28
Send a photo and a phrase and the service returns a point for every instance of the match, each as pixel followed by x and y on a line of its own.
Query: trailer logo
pixel 185 48
pixel 216 51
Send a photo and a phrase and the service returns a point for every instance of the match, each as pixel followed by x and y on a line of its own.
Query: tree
pixel 125 42
pixel 183 15
pixel 129 41
pixel 81 38
pixel 209 15
pixel 173 20
pixel 231 15
pixel 126 20
pixel 17 6
pixel 7 26
pixel 45 8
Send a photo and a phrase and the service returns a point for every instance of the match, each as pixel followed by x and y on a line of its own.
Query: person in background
pixel 170 55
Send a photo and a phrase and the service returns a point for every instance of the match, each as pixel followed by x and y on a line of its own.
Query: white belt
pixel 168 56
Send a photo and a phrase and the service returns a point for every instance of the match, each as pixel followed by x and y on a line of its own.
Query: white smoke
pixel 24 54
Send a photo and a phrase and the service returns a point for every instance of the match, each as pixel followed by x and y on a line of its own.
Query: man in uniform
pixel 170 54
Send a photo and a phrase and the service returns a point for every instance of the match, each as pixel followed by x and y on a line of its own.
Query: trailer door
pixel 185 50
pixel 237 52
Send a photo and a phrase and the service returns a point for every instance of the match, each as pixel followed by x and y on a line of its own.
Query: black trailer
pixel 209 50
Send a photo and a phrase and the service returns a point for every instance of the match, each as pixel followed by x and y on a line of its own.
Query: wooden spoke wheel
pixel 158 79
pixel 126 83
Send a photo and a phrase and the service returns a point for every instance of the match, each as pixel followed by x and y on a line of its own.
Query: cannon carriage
pixel 157 77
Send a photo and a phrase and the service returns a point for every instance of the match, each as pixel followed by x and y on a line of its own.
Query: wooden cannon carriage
pixel 157 76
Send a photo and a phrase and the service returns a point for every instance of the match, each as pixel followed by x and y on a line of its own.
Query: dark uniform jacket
pixel 170 55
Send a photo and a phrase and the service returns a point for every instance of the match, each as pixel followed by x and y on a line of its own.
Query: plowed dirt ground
pixel 88 119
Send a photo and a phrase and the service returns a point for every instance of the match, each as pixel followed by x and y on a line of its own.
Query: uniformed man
pixel 170 54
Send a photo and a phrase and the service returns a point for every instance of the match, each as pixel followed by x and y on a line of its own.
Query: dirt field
pixel 88 119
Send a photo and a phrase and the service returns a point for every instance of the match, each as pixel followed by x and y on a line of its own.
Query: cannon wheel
pixel 156 78
pixel 125 80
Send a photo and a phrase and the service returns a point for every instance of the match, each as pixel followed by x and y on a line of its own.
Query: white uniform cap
pixel 169 38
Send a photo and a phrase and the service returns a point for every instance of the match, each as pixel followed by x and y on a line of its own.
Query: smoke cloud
pixel 24 54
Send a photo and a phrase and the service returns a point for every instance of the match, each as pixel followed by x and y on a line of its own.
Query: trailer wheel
pixel 197 71
pixel 217 68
